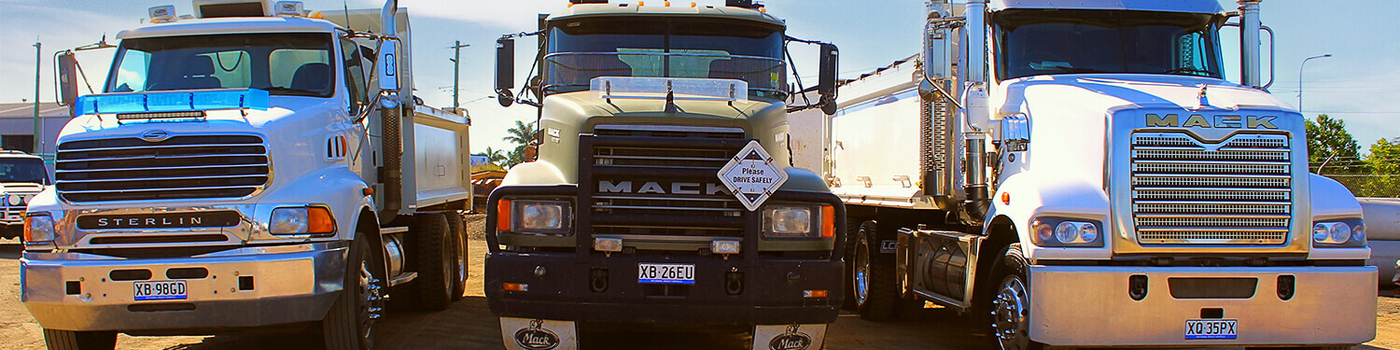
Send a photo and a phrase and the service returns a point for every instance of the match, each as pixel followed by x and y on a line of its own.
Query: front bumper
pixel 1091 306
pixel 770 293
pixel 245 287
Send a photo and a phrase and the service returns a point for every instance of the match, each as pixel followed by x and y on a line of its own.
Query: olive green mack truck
pixel 663 192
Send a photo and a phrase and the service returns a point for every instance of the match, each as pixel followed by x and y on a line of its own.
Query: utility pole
pixel 38 65
pixel 456 73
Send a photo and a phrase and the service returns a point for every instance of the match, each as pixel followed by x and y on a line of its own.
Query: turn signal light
pixel 320 220
pixel 515 287
pixel 814 293
pixel 503 215
pixel 829 221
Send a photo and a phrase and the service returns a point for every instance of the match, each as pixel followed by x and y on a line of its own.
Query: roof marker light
pixel 162 13
pixel 288 8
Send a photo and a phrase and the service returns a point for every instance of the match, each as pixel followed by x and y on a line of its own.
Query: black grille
pixel 181 167
pixel 661 182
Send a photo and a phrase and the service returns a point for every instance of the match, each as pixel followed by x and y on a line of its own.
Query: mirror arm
pixel 945 94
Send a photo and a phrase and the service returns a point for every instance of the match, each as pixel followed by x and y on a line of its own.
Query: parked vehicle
pixel 21 177
pixel 662 193
pixel 253 165
pixel 1080 174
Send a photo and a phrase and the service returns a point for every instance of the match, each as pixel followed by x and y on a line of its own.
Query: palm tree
pixel 522 135
pixel 494 155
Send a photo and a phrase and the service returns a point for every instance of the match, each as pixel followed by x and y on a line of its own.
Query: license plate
pixel 666 273
pixel 1210 329
pixel 159 290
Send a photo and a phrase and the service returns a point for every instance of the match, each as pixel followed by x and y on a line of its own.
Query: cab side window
pixel 354 75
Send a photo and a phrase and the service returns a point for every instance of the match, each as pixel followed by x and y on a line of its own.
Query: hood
pixel 1073 112
pixel 567 115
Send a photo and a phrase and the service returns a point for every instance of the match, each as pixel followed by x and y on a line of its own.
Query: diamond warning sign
pixel 751 176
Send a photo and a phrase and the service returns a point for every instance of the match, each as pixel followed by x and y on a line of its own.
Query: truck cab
pixel 21 177
pixel 632 212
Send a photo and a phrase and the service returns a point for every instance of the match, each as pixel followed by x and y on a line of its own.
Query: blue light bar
pixel 173 101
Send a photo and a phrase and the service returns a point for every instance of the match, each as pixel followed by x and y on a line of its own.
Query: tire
pixel 1010 309
pixel 80 340
pixel 849 257
pixel 873 278
pixel 349 325
pixel 432 243
pixel 457 229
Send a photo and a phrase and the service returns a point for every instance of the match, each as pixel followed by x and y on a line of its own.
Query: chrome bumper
pixel 245 287
pixel 1090 306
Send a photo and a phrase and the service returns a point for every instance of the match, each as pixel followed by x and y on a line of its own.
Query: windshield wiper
pixel 1189 70
pixel 276 90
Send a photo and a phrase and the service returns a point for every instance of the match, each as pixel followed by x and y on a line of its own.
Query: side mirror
pixel 928 92
pixel 505 71
pixel 826 81
pixel 388 65
pixel 67 78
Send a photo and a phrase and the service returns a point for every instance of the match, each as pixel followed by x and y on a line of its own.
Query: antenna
pixel 346 4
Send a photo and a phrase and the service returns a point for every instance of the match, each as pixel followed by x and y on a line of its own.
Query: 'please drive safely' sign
pixel 751 176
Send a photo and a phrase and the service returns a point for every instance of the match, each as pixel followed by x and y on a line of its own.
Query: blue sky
pixel 1358 84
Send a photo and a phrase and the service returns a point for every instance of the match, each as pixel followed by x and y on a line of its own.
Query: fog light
pixel 607 244
pixel 724 247
pixel 814 293
pixel 515 287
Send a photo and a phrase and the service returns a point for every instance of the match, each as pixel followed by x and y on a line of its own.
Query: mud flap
pixel 789 337
pixel 537 334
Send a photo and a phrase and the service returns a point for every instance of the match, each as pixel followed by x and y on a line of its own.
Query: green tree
pixel 1331 145
pixel 493 155
pixel 522 134
pixel 1384 162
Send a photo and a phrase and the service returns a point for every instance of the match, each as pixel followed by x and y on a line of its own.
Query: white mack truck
pixel 1081 174
pixel 251 166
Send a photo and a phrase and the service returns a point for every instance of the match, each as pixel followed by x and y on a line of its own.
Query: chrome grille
pixel 181 167
pixel 1187 191
pixel 670 181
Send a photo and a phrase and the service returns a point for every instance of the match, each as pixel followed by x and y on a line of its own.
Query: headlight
pixel 799 221
pixel 301 220
pixel 38 228
pixel 1052 232
pixel 1337 234
pixel 539 216
pixel 787 221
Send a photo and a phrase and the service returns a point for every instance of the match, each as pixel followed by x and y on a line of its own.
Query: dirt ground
pixel 468 324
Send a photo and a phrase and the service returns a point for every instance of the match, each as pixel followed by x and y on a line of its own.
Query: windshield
pixel 23 170
pixel 1036 42
pixel 282 64
pixel 583 49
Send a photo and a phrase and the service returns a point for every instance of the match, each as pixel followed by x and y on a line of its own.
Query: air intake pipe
pixel 391 173
pixel 1249 43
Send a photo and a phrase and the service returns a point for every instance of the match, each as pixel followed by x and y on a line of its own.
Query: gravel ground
pixel 468 324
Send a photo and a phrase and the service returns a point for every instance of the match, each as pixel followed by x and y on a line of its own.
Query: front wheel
pixel 1011 306
pixel 350 323
pixel 76 340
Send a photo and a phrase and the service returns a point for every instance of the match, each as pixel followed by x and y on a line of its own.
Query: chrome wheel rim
pixel 370 300
pixel 1010 314
pixel 860 276
pixel 461 259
